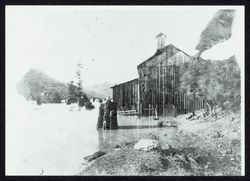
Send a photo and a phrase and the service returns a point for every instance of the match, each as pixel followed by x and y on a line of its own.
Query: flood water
pixel 52 139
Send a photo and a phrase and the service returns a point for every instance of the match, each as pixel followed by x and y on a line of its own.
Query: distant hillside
pixel 35 84
pixel 103 89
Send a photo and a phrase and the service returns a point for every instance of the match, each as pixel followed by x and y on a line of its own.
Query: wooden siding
pixel 158 86
pixel 126 95
pixel 188 103
pixel 160 89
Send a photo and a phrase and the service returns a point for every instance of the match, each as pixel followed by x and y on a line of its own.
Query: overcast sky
pixel 109 41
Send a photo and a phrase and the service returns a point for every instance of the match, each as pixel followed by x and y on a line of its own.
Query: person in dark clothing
pixel 113 115
pixel 107 114
pixel 100 117
pixel 107 118
pixel 110 115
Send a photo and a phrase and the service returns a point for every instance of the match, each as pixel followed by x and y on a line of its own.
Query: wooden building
pixel 158 85
pixel 126 95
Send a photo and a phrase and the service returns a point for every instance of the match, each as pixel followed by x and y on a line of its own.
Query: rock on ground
pixel 146 144
pixel 94 156
pixel 125 162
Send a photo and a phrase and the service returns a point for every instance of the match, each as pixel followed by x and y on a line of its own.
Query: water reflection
pixel 131 128
pixel 107 138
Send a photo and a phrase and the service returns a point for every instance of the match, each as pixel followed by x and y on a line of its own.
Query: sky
pixel 109 41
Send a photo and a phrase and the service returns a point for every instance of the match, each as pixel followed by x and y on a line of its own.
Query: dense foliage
pixel 216 80
pixel 72 93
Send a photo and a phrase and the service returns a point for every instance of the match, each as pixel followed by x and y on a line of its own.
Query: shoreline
pixel 181 151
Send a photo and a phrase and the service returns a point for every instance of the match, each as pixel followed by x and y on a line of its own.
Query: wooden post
pixel 159 87
pixel 141 107
pixel 149 110
pixel 174 86
pixel 138 99
pixel 164 91
pixel 156 114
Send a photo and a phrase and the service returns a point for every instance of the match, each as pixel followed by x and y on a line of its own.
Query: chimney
pixel 160 41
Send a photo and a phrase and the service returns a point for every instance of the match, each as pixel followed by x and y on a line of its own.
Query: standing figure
pixel 107 114
pixel 100 116
pixel 113 115
pixel 110 115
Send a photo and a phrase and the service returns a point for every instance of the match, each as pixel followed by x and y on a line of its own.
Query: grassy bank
pixel 196 147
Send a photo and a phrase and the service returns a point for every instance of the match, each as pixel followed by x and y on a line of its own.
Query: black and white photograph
pixel 124 90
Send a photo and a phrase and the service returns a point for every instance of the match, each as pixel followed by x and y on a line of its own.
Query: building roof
pixel 124 83
pixel 158 52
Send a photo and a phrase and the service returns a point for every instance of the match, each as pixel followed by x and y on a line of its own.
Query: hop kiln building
pixel 158 87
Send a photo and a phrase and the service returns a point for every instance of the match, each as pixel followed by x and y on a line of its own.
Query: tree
pixel 81 97
pixel 217 81
pixel 71 89
pixel 72 93
pixel 56 97
pixel 194 91
pixel 189 80
pixel 38 100
pixel 79 80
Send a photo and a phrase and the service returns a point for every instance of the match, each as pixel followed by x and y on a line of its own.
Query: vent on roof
pixel 160 41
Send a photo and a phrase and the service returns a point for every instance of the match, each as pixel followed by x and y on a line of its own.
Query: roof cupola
pixel 160 41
